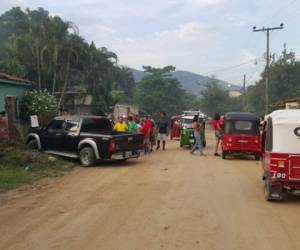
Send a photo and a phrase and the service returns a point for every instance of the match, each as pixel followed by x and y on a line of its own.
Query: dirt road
pixel 168 200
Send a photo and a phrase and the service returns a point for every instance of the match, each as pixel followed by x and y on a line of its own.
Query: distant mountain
pixel 192 82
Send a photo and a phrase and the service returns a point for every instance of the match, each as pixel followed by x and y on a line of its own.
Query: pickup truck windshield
pixel 95 125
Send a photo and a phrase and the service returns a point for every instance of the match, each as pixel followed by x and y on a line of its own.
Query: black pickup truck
pixel 89 138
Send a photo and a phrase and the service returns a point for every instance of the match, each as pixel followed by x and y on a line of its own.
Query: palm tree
pixel 57 35
pixel 72 49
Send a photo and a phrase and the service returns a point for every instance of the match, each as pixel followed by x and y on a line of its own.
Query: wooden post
pixel 11 110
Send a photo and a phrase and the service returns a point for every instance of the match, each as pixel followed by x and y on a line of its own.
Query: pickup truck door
pixel 70 138
pixel 51 136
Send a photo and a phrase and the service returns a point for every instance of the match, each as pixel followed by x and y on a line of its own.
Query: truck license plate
pixel 128 154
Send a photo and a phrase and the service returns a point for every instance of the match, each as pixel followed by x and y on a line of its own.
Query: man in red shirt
pixel 146 130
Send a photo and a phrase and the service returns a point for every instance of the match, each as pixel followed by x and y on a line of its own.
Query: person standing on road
pixel 132 128
pixel 121 126
pixel 152 135
pixel 146 130
pixel 197 136
pixel 218 132
pixel 163 130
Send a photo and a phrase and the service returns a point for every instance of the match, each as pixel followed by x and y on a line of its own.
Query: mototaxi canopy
pixel 283 131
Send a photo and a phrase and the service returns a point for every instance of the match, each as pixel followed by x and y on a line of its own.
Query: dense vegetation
pixel 157 92
pixel 50 52
pixel 284 82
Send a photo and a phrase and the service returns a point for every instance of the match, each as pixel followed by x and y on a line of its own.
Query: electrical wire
pixel 230 67
pixel 252 61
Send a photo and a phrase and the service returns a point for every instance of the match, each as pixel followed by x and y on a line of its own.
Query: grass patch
pixel 20 166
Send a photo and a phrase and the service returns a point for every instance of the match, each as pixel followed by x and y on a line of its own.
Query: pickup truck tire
pixel 32 145
pixel 87 156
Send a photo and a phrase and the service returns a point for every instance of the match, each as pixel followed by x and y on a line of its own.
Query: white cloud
pixel 206 2
pixel 182 47
pixel 191 30
pixel 5 5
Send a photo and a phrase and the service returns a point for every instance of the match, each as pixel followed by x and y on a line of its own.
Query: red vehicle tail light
pixel 281 164
pixel 112 146
pixel 256 141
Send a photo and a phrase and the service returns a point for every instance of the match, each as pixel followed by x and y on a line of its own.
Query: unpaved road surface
pixel 168 200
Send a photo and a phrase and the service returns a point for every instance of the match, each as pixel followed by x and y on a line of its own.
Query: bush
pixel 38 103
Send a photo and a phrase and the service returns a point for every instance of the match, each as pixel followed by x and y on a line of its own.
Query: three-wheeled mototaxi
pixel 187 131
pixel 281 153
pixel 241 134
pixel 175 126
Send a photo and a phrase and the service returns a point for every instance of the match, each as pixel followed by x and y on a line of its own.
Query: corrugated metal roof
pixel 14 78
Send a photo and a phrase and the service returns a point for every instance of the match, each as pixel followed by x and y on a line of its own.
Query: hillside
pixel 192 82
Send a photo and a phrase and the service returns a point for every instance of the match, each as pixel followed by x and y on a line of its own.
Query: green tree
pixel 284 79
pixel 158 92
pixel 214 98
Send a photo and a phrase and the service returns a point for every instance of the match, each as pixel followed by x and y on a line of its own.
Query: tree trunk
pixel 38 68
pixel 55 68
pixel 65 84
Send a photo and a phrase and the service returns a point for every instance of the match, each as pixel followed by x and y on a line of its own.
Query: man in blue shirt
pixel 163 130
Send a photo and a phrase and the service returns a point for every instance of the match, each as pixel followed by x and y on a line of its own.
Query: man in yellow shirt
pixel 121 126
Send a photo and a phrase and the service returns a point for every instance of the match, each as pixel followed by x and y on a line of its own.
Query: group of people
pixel 218 129
pixel 154 134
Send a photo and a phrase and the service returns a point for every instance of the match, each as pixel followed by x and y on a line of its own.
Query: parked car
pixel 281 153
pixel 187 132
pixel 89 138
pixel 241 134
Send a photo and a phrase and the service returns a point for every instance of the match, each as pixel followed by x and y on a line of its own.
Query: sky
pixel 208 37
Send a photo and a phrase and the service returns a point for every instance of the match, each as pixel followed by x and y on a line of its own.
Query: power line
pixel 280 10
pixel 230 67
pixel 253 74
pixel 267 30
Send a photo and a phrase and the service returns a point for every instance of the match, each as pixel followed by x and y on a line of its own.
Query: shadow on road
pixel 240 157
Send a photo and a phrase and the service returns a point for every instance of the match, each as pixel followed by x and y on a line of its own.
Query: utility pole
pixel 244 83
pixel 267 30
pixel 244 91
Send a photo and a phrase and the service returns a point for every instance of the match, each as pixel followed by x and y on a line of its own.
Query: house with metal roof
pixel 292 103
pixel 12 86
